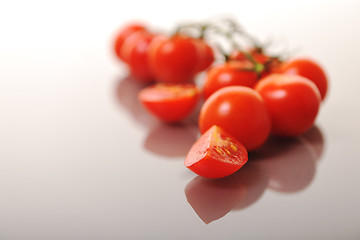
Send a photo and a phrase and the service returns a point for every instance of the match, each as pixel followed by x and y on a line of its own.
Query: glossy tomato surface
pixel 135 53
pixel 174 59
pixel 216 154
pixel 123 34
pixel 309 69
pixel 293 103
pixel 241 112
pixel 206 55
pixel 170 102
pixel 232 73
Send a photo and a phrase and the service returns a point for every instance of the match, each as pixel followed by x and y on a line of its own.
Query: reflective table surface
pixel 80 158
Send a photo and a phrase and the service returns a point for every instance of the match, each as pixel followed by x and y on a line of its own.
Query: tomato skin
pixel 241 112
pixel 206 55
pixel 170 102
pixel 232 73
pixel 124 33
pixel 309 69
pixel 174 59
pixel 216 154
pixel 257 54
pixel 293 103
pixel 135 53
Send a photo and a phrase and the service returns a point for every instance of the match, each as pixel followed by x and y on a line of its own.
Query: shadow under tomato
pixel 212 199
pixel 127 90
pixel 171 140
pixel 291 162
pixel 282 164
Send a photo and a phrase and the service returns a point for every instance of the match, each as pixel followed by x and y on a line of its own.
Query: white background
pixel 77 164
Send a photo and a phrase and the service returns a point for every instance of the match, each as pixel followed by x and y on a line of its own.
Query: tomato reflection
pixel 171 139
pixel 127 90
pixel 285 165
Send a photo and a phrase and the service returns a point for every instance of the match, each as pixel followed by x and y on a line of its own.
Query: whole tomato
pixel 206 55
pixel 123 34
pixel 256 53
pixel 309 69
pixel 174 59
pixel 269 64
pixel 232 73
pixel 292 101
pixel 135 53
pixel 241 112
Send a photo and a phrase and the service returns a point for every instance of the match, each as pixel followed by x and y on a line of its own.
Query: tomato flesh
pixel 170 102
pixel 216 154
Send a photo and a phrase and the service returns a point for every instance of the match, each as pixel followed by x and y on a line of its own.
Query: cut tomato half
pixel 216 154
pixel 170 102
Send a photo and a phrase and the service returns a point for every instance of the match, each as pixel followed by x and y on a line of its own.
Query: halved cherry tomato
pixel 216 154
pixel 292 101
pixel 232 73
pixel 122 36
pixel 309 69
pixel 174 59
pixel 135 53
pixel 170 102
pixel 241 112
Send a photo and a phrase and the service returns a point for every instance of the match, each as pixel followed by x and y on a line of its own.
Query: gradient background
pixel 80 159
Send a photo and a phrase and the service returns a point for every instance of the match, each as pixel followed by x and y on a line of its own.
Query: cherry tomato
pixel 174 59
pixel 270 64
pixel 241 112
pixel 206 55
pixel 123 34
pixel 170 102
pixel 309 69
pixel 292 101
pixel 216 154
pixel 256 53
pixel 229 74
pixel 135 53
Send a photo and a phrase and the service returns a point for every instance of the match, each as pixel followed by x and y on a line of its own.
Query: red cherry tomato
pixel 135 53
pixel 309 69
pixel 122 36
pixel 206 55
pixel 270 64
pixel 216 154
pixel 232 73
pixel 292 101
pixel 174 59
pixel 170 102
pixel 256 53
pixel 241 112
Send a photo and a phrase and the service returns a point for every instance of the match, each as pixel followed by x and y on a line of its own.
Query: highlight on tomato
pixel 241 112
pixel 309 69
pixel 170 102
pixel 292 101
pixel 216 154
pixel 123 34
pixel 231 73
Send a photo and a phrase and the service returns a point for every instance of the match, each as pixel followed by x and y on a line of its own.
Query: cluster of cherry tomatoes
pixel 246 94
